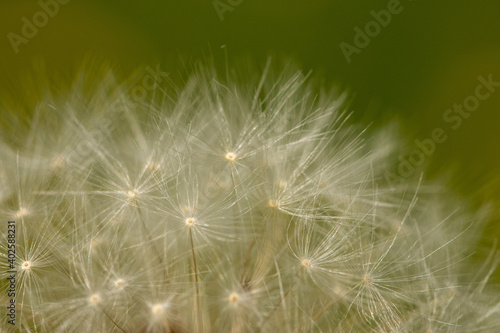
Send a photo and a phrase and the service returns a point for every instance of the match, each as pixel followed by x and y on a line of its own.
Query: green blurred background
pixel 426 59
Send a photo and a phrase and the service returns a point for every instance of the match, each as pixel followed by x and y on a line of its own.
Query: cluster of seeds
pixel 228 208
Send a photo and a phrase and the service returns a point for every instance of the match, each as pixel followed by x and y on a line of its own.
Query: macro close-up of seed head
pixel 230 207
pixel 234 166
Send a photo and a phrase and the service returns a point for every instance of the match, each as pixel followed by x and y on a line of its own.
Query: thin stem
pixel 247 259
pixel 114 322
pixel 279 303
pixel 329 305
pixel 197 291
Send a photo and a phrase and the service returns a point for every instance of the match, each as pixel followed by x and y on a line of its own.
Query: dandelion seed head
pixel 305 234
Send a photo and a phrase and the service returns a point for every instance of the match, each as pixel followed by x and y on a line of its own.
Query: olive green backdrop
pixel 416 67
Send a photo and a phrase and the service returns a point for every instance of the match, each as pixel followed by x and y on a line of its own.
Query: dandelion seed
pixel 119 283
pixel 306 263
pixel 157 310
pixel 22 212
pixel 234 298
pixel 132 194
pixel 190 222
pixel 273 203
pixel 26 265
pixel 231 157
pixel 94 299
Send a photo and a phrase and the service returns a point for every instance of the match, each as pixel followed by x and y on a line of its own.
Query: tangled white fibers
pixel 226 207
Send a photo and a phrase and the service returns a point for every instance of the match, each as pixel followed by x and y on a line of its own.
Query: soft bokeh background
pixel 424 61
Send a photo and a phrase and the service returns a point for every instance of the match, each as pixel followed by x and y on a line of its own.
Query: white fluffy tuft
pixel 232 209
